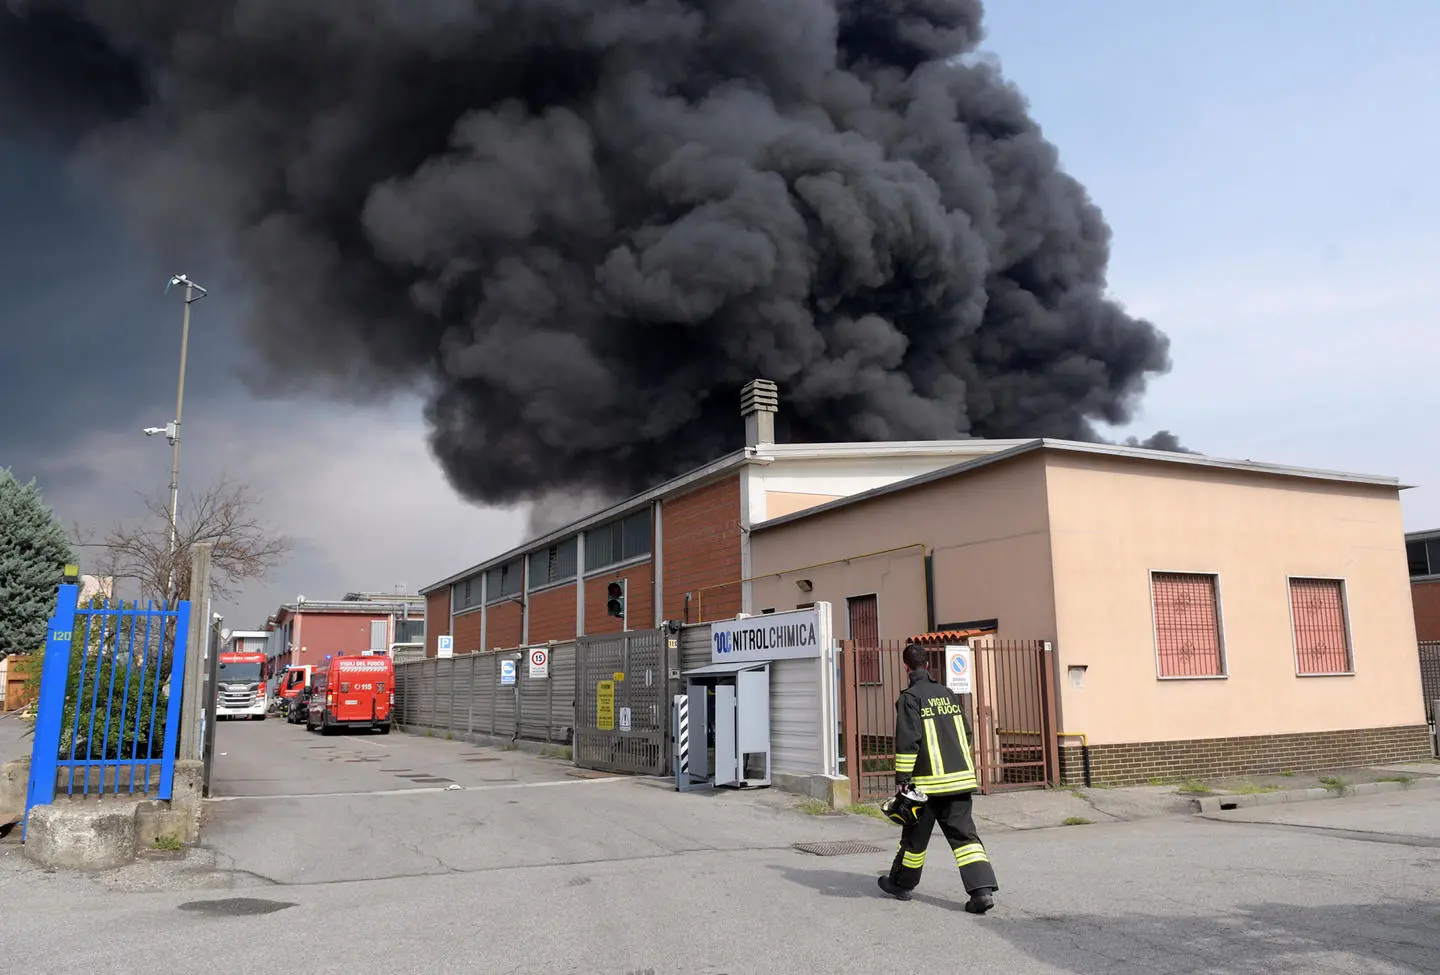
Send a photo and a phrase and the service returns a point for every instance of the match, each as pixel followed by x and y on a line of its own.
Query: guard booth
pixel 722 727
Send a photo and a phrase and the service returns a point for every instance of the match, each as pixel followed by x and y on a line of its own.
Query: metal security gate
pixel 1430 689
pixel 622 706
pixel 1011 712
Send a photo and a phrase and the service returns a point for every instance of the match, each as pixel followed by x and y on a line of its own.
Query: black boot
pixel 980 901
pixel 893 889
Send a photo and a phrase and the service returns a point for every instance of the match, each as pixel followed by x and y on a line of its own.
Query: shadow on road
pixel 1399 935
pixel 1252 939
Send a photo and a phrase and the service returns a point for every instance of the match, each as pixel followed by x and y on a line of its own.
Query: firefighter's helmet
pixel 903 808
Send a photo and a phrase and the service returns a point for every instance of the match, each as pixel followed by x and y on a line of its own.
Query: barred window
pixel 1187 624
pixel 1322 634
pixel 865 637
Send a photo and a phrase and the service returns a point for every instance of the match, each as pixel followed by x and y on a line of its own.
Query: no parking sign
pixel 539 662
pixel 959 677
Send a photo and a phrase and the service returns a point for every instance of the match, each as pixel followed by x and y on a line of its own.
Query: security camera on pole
pixel 193 293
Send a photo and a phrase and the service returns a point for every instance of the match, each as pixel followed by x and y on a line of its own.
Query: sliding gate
pixel 622 707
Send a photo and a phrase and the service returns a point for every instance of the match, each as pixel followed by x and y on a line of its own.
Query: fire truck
pixel 242 672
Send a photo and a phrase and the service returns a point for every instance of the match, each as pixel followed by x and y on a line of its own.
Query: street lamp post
pixel 193 293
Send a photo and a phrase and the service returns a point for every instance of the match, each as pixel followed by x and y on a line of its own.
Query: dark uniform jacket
pixel 932 739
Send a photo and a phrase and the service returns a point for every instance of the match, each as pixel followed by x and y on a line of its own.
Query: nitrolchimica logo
pixel 765 638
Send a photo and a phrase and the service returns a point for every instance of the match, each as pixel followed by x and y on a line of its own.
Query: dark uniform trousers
pixel 954 814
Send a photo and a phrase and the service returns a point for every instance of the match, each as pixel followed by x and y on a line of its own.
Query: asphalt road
pixel 530 869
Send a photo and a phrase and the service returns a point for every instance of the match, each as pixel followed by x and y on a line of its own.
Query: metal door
pixel 620 676
pixel 727 761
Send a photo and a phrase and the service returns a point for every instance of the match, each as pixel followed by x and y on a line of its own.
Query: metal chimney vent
pixel 759 402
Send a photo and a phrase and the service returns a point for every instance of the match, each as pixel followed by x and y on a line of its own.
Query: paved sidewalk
pixel 1078 806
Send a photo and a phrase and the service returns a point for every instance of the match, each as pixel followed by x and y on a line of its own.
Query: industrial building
pixel 1199 616
pixel 1206 616
pixel 1422 552
pixel 308 631
pixel 676 552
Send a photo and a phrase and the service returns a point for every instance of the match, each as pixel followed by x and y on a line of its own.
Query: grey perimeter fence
pixel 464 696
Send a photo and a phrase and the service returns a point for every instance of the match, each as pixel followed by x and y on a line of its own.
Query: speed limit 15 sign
pixel 539 662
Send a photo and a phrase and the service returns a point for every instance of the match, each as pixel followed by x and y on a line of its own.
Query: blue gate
pixel 109 705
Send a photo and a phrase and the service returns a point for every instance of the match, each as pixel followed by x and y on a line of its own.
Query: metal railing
pixel 109 703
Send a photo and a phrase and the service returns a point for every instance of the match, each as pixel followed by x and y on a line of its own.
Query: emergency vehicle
pixel 241 676
pixel 352 692
pixel 295 679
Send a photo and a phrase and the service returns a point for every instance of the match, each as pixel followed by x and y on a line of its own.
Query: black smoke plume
pixel 582 225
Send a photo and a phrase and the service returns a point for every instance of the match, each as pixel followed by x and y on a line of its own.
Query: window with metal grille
pixel 553 565
pixel 865 637
pixel 1322 636
pixel 1187 624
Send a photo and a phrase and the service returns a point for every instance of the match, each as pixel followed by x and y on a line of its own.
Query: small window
pixel 1187 624
pixel 1415 554
pixel 864 619
pixel 1322 632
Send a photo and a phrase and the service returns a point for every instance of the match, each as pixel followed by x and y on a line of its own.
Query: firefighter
pixel 932 754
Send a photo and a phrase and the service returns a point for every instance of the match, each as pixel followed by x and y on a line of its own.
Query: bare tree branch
pixel 224 514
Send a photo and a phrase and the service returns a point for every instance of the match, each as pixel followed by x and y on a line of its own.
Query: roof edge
pixel 713 469
pixel 1082 447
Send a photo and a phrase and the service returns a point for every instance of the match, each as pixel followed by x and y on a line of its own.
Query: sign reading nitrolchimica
pixel 777 636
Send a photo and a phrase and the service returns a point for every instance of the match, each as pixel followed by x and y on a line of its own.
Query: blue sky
pixel 1267 170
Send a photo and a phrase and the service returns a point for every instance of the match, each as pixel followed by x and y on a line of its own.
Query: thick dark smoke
pixel 582 225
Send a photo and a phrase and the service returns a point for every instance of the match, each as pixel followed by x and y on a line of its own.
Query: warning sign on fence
pixel 605 705
pixel 958 670
pixel 539 663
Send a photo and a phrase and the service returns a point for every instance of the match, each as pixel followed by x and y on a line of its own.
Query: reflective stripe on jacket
pixel 932 738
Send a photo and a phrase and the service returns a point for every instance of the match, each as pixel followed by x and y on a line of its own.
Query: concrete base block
pixel 82 835
pixel 833 790
pixel 14 783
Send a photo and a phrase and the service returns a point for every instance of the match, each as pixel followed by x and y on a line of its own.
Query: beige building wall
pixel 1112 521
pixel 988 532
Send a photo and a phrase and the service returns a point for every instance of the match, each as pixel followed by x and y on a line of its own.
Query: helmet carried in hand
pixel 903 808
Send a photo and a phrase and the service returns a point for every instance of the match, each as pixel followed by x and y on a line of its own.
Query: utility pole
pixel 172 431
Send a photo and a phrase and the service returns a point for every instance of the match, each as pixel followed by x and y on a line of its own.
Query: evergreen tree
pixel 33 552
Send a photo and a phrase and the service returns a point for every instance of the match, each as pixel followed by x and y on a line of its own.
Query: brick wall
pixel 467 633
pixel 1426 598
pixel 1138 762
pixel 702 548
pixel 502 625
pixel 552 614
pixel 437 618
pixel 640 599
pixel 333 634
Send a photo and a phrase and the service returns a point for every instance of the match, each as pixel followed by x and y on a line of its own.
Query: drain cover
pixel 429 778
pixel 838 848
pixel 483 759
pixel 236 906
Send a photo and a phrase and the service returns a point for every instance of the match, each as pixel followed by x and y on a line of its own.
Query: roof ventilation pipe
pixel 759 402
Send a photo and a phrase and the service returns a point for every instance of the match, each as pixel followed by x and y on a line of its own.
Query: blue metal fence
pixel 109 705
